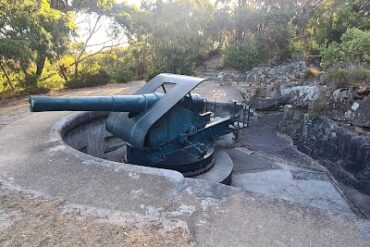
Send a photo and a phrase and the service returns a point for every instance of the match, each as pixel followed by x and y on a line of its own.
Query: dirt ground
pixel 29 220
pixel 16 108
pixel 39 221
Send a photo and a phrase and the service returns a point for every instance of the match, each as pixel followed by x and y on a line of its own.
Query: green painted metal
pixel 169 130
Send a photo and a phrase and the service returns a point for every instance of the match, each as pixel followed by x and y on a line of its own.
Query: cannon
pixel 164 124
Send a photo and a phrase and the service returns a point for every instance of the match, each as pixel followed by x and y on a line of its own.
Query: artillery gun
pixel 170 129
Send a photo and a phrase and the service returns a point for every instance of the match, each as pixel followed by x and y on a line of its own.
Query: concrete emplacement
pixel 274 203
pixel 86 133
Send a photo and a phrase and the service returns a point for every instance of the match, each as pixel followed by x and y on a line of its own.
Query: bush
pixel 349 76
pixel 355 46
pixel 245 55
pixel 317 106
pixel 331 55
pixel 119 64
pixel 89 79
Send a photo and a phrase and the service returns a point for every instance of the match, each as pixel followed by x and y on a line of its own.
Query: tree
pixel 332 19
pixel 31 32
pixel 172 34
pixel 95 14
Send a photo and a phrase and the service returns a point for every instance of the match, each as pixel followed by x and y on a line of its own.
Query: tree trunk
pixel 40 64
pixel 7 77
pixel 76 70
pixel 63 72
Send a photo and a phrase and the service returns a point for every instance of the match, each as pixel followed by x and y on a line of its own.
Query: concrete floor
pixel 269 164
pixel 269 208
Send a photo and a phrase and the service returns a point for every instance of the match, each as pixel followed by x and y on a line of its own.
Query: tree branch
pixel 7 76
pixel 92 32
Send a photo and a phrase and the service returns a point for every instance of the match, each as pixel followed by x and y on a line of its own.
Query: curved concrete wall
pixel 86 133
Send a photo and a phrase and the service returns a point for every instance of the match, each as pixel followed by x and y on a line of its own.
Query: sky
pixel 101 38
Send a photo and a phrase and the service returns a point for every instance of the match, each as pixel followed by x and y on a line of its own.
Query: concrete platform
pixel 259 174
pixel 33 158
pixel 222 170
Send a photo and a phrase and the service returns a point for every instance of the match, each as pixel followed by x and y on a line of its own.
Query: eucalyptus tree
pixel 30 33
pixel 172 35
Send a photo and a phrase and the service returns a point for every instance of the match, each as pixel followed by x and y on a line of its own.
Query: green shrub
pixel 90 79
pixel 354 46
pixel 315 110
pixel 30 81
pixel 348 77
pixel 119 64
pixel 332 54
pixel 317 106
pixel 244 56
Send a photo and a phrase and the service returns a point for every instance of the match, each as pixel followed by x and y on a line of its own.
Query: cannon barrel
pixel 119 103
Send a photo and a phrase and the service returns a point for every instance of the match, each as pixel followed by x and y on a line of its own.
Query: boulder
pixel 291 121
pixel 347 106
pixel 284 73
pixel 268 104
pixel 301 96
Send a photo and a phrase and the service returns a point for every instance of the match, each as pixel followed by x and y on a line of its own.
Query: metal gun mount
pixel 170 129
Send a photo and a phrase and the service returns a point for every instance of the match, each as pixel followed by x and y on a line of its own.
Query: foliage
pixel 354 47
pixel 116 65
pixel 170 36
pixel 41 48
pixel 31 32
pixel 89 79
pixel 332 19
pixel 317 107
pixel 348 76
pixel 243 56
pixel 119 64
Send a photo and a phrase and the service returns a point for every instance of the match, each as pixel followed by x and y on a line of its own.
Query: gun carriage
pixel 163 123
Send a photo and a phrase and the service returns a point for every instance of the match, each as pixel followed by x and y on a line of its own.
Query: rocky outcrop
pixel 291 120
pixel 293 71
pixel 344 151
pixel 280 74
pixel 268 103
pixel 270 87
pixel 347 106
pixel 301 96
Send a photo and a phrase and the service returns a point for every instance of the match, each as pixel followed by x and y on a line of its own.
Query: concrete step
pixel 222 169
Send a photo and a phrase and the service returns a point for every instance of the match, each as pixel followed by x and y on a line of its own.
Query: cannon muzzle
pixel 119 103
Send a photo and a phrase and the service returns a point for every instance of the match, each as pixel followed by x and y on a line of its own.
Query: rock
pixel 345 105
pixel 268 104
pixel 264 83
pixel 301 96
pixel 342 150
pixel 284 73
pixel 291 120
